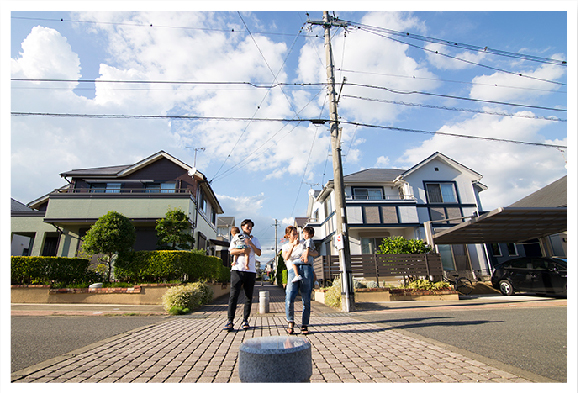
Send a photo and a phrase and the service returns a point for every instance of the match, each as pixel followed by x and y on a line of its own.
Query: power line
pixel 447 108
pixel 455 97
pixel 270 86
pixel 468 61
pixel 453 135
pixel 453 81
pixel 151 25
pixel 314 121
pixel 454 44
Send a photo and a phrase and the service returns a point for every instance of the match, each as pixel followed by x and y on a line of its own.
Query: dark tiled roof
pixel 374 175
pixel 552 195
pixel 16 206
pixel 104 171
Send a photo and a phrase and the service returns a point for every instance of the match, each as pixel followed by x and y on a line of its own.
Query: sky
pixel 270 65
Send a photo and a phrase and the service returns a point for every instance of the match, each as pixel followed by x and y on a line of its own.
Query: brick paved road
pixel 194 348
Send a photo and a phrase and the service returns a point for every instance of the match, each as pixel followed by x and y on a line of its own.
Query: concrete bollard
pixel 263 302
pixel 275 359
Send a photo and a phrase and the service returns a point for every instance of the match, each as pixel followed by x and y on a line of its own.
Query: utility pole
pixel 341 238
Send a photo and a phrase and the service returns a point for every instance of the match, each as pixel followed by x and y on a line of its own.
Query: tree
pixel 172 231
pixel 399 245
pixel 112 234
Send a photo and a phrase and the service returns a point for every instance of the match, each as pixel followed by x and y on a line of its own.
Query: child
pixel 239 242
pixel 308 233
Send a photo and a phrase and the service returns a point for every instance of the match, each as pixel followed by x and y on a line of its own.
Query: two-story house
pixel 143 192
pixel 384 203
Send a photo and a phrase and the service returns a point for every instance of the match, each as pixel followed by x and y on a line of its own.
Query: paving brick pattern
pixel 194 348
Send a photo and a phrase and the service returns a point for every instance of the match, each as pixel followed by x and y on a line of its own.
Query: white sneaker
pixel 297 278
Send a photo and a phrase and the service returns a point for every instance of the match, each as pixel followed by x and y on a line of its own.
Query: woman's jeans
pixel 305 286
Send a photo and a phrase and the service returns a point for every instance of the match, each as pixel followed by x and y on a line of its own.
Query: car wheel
pixel 506 288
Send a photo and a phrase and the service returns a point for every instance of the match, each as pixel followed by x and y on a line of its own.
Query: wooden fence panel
pixel 380 265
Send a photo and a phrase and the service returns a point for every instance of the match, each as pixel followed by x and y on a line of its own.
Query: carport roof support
pixel 507 225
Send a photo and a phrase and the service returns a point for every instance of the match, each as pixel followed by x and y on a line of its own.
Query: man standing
pixel 241 276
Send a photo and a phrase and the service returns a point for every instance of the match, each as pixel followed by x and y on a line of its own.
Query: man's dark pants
pixel 238 279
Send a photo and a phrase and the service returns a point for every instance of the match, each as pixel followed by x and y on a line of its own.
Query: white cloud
pixel 241 206
pixel 382 162
pixel 513 87
pixel 511 171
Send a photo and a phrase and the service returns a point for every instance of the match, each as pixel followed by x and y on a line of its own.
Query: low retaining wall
pixel 384 295
pixel 147 294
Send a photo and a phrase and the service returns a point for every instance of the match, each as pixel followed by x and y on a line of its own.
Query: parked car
pixel 531 274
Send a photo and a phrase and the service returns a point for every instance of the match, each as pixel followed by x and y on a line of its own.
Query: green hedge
pixel 43 270
pixel 168 265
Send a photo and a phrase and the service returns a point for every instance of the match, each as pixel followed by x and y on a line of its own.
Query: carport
pixel 506 225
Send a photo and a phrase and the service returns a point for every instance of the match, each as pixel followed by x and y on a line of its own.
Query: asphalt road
pixel 532 339
pixel 36 339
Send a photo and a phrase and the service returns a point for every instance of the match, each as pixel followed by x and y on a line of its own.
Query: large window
pixel 370 245
pixel 368 194
pixel 441 193
pixel 105 187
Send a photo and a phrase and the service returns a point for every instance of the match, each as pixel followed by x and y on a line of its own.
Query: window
pixel 152 187
pixel 167 187
pixel 512 250
pixel 368 194
pixel 370 245
pixel 496 251
pixel 113 187
pixel 441 193
pixel 98 187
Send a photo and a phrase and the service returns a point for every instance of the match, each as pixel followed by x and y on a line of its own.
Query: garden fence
pixel 380 266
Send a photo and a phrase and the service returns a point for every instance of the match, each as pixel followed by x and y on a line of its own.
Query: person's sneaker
pixel 297 278
pixel 245 325
pixel 228 327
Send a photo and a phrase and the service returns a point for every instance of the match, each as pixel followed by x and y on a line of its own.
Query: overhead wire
pixel 151 25
pixel 270 86
pixel 454 97
pixel 315 121
pixel 447 108
pixel 471 47
pixel 467 61
pixel 453 81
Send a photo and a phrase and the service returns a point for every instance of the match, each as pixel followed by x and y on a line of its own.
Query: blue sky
pixel 264 170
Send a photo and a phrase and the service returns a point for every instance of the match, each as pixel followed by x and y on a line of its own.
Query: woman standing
pixel 292 252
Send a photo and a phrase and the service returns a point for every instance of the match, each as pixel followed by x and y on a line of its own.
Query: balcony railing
pixel 123 191
pixel 379 199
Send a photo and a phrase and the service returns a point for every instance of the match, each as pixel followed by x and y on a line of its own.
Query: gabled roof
pixel 16 206
pixel 107 171
pixel 373 175
pixel 155 157
pixel 552 195
pixel 445 159
pixel 124 170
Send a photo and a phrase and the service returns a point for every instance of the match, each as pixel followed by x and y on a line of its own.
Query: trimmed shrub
pixel 333 294
pixel 43 270
pixel 167 265
pixel 426 285
pixel 190 296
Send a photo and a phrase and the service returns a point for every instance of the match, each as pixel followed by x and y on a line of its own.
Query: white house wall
pixel 444 173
